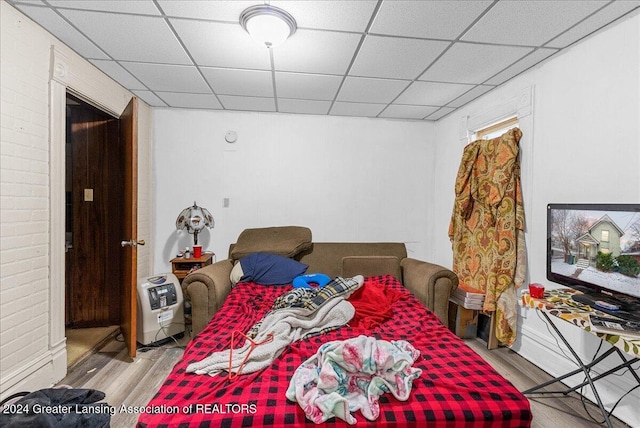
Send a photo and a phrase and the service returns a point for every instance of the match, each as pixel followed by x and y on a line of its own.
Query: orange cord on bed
pixel 232 375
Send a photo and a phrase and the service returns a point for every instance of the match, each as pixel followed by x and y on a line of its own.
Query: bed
pixel 456 387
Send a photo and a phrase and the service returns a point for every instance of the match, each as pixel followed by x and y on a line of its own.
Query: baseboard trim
pixel 43 371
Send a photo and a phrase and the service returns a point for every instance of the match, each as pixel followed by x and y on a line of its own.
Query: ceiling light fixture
pixel 268 25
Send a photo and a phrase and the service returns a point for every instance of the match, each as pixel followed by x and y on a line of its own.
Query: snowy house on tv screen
pixel 604 235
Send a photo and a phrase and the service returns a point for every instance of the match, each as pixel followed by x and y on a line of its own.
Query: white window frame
pixel 520 106
pixel 496 129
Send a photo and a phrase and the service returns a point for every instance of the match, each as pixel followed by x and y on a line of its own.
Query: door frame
pixel 69 73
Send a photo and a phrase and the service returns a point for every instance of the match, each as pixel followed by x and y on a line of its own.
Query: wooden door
pixel 129 140
pixel 94 187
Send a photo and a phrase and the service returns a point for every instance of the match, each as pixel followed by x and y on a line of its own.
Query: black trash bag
pixel 58 407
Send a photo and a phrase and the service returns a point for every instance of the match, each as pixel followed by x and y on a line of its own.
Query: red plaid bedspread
pixel 457 388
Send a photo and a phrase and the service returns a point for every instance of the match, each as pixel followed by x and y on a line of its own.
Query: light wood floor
pixel 134 383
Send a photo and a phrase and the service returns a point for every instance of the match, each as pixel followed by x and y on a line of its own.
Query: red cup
pixel 536 291
pixel 197 251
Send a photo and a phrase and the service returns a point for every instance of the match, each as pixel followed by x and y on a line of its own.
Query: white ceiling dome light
pixel 268 25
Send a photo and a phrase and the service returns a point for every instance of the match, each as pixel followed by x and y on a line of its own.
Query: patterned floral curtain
pixel 487 227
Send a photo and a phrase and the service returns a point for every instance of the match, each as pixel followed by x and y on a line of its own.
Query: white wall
pixel 296 170
pixel 32 342
pixel 583 145
pixel 348 179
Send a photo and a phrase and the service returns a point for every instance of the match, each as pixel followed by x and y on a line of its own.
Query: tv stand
pixel 556 305
pixel 629 311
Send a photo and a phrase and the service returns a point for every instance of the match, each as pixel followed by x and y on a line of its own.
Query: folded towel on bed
pixel 349 375
pixel 287 325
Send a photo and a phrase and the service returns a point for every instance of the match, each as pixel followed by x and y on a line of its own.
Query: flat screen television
pixel 595 248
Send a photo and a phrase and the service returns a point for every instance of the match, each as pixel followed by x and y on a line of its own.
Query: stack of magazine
pixel 469 299
pixel 615 326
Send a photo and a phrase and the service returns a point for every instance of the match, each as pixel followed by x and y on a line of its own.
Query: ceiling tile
pixel 321 52
pixel 150 98
pixel 228 81
pixel 470 96
pixel 144 7
pixel 129 42
pixel 168 78
pixel 340 15
pixel 311 86
pixel 368 90
pixel 286 105
pixel 432 93
pixel 395 57
pixel 611 12
pixel 460 63
pixel 119 74
pixel 218 10
pixel 356 109
pixel 231 102
pixel 57 26
pixel 440 113
pixel 530 22
pixel 399 111
pixel 221 44
pixel 203 101
pixel 344 58
pixel 33 2
pixel 530 60
pixel 428 19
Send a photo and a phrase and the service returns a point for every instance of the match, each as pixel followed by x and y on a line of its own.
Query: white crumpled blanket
pixel 350 375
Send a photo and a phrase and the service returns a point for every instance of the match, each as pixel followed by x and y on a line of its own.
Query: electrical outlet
pixel 226 202
pixel 88 195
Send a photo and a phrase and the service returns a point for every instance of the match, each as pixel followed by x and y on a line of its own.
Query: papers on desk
pixel 470 300
pixel 615 326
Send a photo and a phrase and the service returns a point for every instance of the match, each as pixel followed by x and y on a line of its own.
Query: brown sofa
pixel 207 288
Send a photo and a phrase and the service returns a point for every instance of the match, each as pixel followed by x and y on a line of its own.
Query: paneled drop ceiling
pixel 377 58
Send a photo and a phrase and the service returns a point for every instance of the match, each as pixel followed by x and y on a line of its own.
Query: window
pixel 497 129
pixel 605 236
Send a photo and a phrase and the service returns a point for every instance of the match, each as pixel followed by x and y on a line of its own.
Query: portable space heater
pixel 160 308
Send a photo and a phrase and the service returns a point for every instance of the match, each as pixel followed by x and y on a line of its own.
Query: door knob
pixel 132 243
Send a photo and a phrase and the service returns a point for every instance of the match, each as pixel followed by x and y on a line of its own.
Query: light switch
pixel 226 202
pixel 88 195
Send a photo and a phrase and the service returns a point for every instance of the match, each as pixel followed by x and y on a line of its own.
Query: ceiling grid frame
pixel 332 28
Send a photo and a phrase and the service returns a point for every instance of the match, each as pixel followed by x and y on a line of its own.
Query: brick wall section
pixel 24 191
pixel 25 53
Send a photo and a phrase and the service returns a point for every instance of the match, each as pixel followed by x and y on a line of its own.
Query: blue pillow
pixel 270 269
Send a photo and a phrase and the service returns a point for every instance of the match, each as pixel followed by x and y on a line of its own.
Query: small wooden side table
pixel 181 267
pixel 462 321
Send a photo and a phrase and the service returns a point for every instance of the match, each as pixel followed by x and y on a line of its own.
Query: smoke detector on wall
pixel 231 137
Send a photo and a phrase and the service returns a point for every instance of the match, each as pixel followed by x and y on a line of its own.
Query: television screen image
pixel 595 248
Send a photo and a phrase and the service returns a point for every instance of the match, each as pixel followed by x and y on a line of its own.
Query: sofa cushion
pixel 326 257
pixel 285 241
pixel 236 274
pixel 371 266
pixel 270 269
